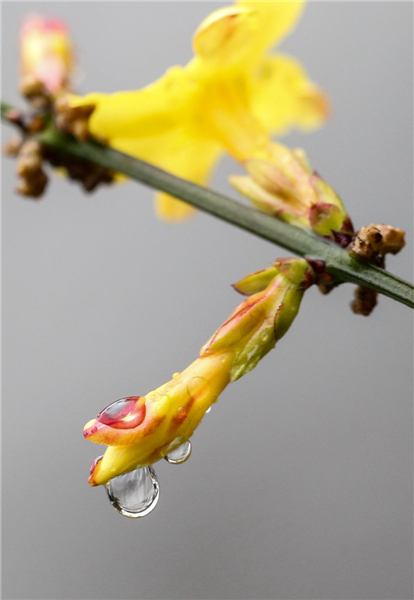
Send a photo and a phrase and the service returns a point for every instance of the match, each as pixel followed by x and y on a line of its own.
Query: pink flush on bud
pixel 46 52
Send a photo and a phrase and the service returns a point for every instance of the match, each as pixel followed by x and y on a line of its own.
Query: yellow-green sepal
pixel 256 281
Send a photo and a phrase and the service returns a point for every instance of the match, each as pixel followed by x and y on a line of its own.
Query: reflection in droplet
pixel 125 413
pixel 208 410
pixel 134 494
pixel 180 454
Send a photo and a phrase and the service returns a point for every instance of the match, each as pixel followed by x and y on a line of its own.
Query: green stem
pixel 299 241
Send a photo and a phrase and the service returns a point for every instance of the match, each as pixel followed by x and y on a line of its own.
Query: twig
pixel 299 241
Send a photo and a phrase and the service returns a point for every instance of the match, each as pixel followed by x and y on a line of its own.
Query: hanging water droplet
pixel 134 494
pixel 179 455
pixel 176 375
pixel 208 410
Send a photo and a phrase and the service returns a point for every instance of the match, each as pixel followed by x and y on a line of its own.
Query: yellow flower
pixel 46 52
pixel 229 98
pixel 140 430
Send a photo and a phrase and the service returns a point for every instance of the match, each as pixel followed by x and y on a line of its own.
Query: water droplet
pixel 175 443
pixel 208 410
pixel 126 413
pixel 176 375
pixel 180 454
pixel 134 494
pixel 198 386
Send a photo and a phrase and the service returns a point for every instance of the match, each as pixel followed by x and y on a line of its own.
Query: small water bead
pixel 134 494
pixel 208 410
pixel 153 396
pixel 198 385
pixel 179 455
pixel 176 375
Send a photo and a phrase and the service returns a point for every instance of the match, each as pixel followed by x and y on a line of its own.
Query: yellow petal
pixel 244 31
pixel 221 37
pixel 275 20
pixel 153 110
pixel 170 209
pixel 155 124
pixel 193 161
pixel 179 153
pixel 284 97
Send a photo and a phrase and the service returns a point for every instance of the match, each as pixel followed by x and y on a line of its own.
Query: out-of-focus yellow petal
pixel 221 37
pixel 284 97
pixel 150 124
pixel 194 161
pixel 228 98
pixel 244 31
pixel 155 109
pixel 275 20
pixel 179 153
pixel 171 209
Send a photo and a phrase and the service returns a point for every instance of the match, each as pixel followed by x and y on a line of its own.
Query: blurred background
pixel 300 485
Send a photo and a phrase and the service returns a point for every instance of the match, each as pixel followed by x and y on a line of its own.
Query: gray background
pixel 300 483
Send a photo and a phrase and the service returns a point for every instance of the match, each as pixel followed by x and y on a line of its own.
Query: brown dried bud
pixel 33 180
pixel 34 186
pixel 13 145
pixel 374 241
pixel 35 92
pixel 89 174
pixel 74 119
pixel 30 158
pixel 31 87
pixel 367 243
pixel 392 239
pixel 364 301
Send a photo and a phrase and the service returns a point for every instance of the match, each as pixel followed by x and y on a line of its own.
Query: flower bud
pixel 141 430
pixel 253 329
pixel 46 53
pixel 283 185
